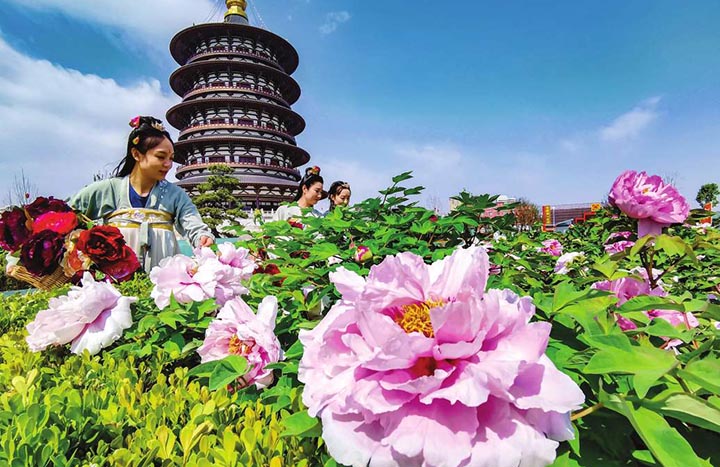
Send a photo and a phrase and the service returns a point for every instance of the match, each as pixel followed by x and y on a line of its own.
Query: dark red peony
pixel 121 269
pixel 270 269
pixel 60 222
pixel 102 244
pixel 13 229
pixel 42 252
pixel 41 205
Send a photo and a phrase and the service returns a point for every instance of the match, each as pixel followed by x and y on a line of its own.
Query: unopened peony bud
pixel 362 254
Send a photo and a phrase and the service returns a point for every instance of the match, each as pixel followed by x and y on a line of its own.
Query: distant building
pixel 237 91
pixel 560 216
pixel 501 201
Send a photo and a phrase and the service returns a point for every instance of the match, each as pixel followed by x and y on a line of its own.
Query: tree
pixel 216 201
pixel 526 214
pixel 708 193
pixel 21 191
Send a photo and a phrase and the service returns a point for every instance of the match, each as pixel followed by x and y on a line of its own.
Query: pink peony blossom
pixel 91 317
pixel 618 247
pixel 239 331
pixel 176 276
pixel 618 242
pixel 551 247
pixel 236 257
pixel 561 266
pixel 624 235
pixel 626 288
pixel 206 275
pixel 649 200
pixel 418 366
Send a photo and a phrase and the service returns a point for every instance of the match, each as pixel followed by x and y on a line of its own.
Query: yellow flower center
pixel 236 346
pixel 416 317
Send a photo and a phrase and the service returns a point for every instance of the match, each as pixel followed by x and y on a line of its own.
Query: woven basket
pixel 56 279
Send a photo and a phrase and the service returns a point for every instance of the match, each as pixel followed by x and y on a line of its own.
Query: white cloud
pixel 630 124
pixel 570 145
pixel 61 126
pixel 333 20
pixel 152 22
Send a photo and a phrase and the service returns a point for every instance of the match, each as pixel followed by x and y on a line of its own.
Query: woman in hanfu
pixel 310 191
pixel 140 202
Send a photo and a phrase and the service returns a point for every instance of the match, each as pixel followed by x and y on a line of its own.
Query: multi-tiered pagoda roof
pixel 237 93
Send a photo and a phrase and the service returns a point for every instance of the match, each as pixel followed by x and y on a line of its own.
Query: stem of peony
pixel 682 383
pixel 649 227
pixel 588 411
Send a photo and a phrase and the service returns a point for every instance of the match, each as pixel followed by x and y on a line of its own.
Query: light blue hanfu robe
pixel 149 230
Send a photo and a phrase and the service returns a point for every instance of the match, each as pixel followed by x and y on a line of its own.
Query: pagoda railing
pixel 195 166
pixel 222 50
pixel 224 86
pixel 236 124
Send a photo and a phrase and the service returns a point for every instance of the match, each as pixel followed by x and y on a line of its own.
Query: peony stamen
pixel 236 346
pixel 416 317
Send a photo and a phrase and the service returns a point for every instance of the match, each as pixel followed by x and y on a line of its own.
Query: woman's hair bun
pixel 140 121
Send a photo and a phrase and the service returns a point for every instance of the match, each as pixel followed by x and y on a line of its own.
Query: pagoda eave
pixel 295 123
pixel 180 80
pixel 184 171
pixel 257 181
pixel 181 50
pixel 297 155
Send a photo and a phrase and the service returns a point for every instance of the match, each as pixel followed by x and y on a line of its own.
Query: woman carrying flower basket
pixel 141 202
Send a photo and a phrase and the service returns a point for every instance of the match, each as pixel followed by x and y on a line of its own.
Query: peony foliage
pixel 630 328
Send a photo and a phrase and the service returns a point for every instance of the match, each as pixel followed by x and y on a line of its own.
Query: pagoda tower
pixel 236 89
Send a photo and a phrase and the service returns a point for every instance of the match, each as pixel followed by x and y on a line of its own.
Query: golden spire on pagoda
pixel 236 7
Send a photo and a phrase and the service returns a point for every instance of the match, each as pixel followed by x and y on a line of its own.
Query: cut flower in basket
pixel 419 365
pixel 53 244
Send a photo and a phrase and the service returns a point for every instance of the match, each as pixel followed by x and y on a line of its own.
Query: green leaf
pixel 402 177
pixel 606 268
pixel 687 408
pixel 648 302
pixel 663 441
pixel 587 311
pixel 705 372
pixel 413 191
pixel 673 246
pixel 647 364
pixel 301 425
pixel 640 244
pixel 565 294
pixel 228 370
pixel 661 328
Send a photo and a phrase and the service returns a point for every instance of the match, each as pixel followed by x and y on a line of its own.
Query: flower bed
pixel 386 335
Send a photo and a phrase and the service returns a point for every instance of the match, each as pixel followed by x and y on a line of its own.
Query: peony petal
pixel 267 311
pixel 348 283
pixel 431 430
pixel 460 275
pixel 106 329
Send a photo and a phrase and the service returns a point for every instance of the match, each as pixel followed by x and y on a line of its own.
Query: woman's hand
pixel 206 241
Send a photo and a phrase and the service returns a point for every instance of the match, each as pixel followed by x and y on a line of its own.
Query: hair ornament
pixel 315 170
pixel 157 124
pixel 135 122
pixel 136 141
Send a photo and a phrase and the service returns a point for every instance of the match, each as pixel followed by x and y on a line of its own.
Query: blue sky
pixel 548 100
